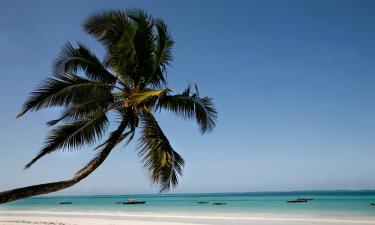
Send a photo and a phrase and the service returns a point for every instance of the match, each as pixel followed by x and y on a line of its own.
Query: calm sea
pixel 325 203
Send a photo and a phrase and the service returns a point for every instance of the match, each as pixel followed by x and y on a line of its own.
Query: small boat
pixel 307 199
pixel 203 202
pixel 297 201
pixel 133 202
pixel 219 203
pixel 373 204
pixel 65 203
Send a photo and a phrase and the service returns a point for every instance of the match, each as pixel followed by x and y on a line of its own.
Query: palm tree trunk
pixel 15 194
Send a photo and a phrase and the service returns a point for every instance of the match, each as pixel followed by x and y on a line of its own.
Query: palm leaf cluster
pixel 130 81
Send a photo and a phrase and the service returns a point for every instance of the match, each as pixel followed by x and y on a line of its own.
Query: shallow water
pixel 338 204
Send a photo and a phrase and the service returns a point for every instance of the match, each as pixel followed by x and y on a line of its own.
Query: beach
pixel 24 218
pixel 17 220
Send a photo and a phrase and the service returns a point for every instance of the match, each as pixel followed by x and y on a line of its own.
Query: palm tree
pixel 130 84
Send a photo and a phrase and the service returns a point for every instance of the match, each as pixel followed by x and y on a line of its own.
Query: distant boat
pixel 297 201
pixel 373 204
pixel 131 202
pixel 219 203
pixel 203 202
pixel 65 203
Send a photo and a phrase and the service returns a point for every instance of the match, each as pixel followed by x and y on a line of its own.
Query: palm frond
pixel 116 31
pixel 139 47
pixel 107 26
pixel 162 54
pixel 64 89
pixel 71 60
pixel 163 164
pixel 83 110
pixel 144 46
pixel 73 135
pixel 138 98
pixel 123 58
pixel 190 105
pixel 165 43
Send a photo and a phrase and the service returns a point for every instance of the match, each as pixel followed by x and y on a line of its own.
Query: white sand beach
pixel 51 218
pixel 20 220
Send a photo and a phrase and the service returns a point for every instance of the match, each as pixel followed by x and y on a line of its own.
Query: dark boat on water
pixel 65 203
pixel 203 202
pixel 134 202
pixel 299 200
pixel 219 203
pixel 131 202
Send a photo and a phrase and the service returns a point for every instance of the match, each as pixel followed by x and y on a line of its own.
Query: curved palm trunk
pixel 15 194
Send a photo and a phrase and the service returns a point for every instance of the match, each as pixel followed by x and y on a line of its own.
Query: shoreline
pixel 116 218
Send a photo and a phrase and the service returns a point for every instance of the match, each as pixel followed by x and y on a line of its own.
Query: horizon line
pixel 202 193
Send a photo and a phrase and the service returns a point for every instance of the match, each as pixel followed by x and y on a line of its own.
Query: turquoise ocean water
pixel 325 203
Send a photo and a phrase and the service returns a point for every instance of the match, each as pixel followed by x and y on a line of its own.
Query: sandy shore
pixel 52 218
pixel 22 220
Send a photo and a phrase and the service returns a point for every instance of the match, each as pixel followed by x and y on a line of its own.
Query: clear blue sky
pixel 293 82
